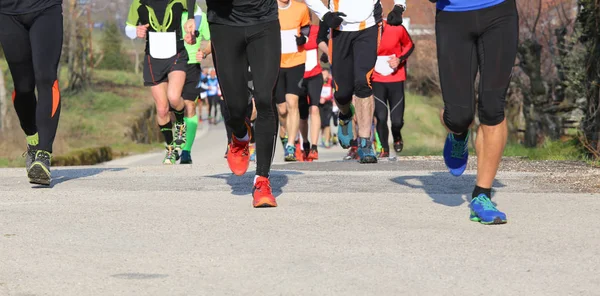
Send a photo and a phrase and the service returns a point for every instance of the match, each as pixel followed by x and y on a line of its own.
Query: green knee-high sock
pixel 190 135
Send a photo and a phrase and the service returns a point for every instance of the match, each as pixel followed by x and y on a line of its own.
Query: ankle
pixel 480 190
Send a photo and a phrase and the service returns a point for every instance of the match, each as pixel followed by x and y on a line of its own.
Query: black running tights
pixel 32 45
pixel 234 48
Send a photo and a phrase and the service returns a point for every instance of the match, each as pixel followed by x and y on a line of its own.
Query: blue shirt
pixel 213 86
pixel 466 5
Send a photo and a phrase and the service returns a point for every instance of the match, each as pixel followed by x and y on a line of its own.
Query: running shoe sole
pixel 38 174
pixel 368 159
pixel 265 203
pixel 496 221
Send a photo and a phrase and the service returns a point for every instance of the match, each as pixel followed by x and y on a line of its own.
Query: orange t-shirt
pixel 291 19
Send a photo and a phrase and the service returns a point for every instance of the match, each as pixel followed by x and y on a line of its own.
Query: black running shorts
pixel 192 78
pixel 354 55
pixel 289 81
pixel 157 71
pixel 326 111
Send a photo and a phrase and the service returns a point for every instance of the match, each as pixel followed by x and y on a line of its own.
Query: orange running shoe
pixel 238 156
pixel 313 155
pixel 299 152
pixel 262 195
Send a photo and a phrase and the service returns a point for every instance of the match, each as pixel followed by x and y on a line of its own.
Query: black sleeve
pixel 305 30
pixel 323 35
pixel 191 6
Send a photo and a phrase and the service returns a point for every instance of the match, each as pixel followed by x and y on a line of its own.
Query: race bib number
pixel 383 66
pixel 163 45
pixel 288 41
pixel 326 92
pixel 311 60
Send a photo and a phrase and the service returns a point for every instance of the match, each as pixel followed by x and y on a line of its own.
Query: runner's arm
pixel 204 30
pixel 133 19
pixel 406 44
pixel 323 38
pixel 318 7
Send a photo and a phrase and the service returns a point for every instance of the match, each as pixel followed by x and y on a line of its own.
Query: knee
pixel 292 104
pixel 343 96
pixel 173 96
pixel 162 111
pixel 362 88
pixel 314 111
pixel 458 119
pixel 491 112
pixel 45 78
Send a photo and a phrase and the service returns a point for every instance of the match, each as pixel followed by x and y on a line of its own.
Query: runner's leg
pixel 14 39
pixel 264 55
pixel 381 113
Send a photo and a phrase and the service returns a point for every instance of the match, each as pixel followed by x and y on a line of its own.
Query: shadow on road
pixel 242 185
pixel 64 175
pixel 442 187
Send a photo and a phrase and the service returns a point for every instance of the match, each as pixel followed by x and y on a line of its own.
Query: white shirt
pixel 360 14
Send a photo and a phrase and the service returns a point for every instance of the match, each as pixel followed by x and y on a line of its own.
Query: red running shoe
pixel 313 155
pixel 238 156
pixel 299 152
pixel 262 195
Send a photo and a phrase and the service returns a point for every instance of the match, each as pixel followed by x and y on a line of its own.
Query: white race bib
pixel 383 66
pixel 326 92
pixel 288 41
pixel 311 60
pixel 163 45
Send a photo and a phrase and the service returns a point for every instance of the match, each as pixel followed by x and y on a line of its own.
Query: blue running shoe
pixel 366 154
pixel 186 157
pixel 485 212
pixel 290 153
pixel 345 134
pixel 456 154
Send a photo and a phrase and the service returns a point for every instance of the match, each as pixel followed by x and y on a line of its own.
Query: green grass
pixel 99 116
pixel 422 132
pixel 550 150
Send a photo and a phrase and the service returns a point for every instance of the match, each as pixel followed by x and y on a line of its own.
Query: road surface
pixel 135 227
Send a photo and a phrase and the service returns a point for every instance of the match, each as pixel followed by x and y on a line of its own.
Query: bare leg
pixel 293 118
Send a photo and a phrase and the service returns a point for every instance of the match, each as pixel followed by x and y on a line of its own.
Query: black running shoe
pixel 398 144
pixel 39 171
pixel 186 157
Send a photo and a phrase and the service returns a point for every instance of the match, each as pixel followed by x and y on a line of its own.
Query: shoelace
pixel 486 203
pixel 458 148
pixel 236 149
pixel 169 153
pixel 263 186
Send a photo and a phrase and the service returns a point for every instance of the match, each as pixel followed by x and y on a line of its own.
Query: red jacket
pixel 312 65
pixel 394 41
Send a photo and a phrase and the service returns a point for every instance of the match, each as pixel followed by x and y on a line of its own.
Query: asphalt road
pixel 136 227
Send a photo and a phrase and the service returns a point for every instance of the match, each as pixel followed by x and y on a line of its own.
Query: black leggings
pixel 482 40
pixel 32 45
pixel 213 103
pixel 389 94
pixel 234 48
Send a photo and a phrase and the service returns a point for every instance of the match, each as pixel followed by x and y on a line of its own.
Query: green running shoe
pixel 39 171
pixel 171 155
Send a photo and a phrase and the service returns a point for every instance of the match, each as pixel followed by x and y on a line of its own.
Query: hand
pixel 200 56
pixel 300 40
pixel 322 101
pixel 333 19
pixel 324 58
pixel 395 16
pixel 394 62
pixel 190 26
pixel 142 30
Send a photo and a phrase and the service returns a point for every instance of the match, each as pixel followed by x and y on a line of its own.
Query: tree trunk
pixel 3 103
pixel 539 124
